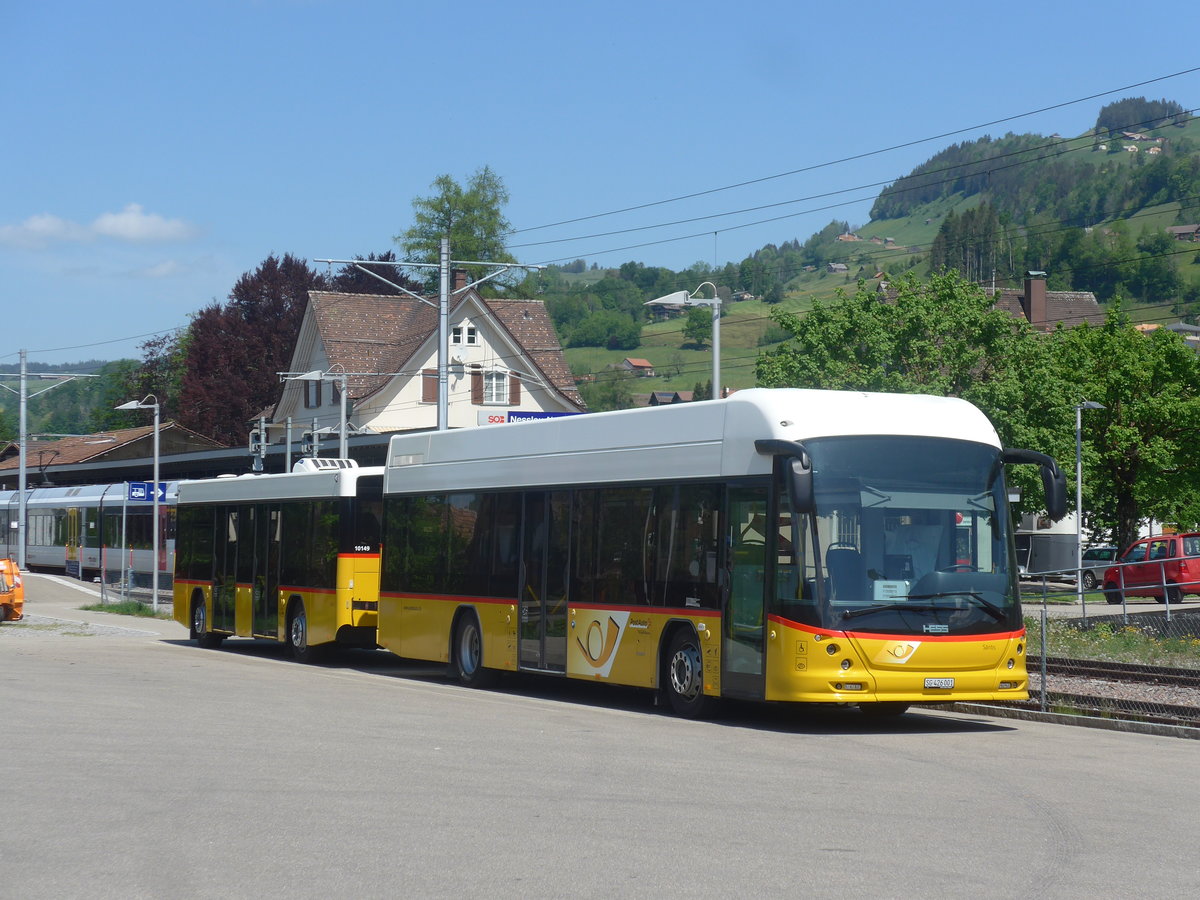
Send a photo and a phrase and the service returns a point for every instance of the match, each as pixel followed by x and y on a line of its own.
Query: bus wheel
pixel 297 633
pixel 468 654
pixel 684 680
pixel 200 633
pixel 880 710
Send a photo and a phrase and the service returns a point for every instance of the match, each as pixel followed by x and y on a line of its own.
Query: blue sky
pixel 156 151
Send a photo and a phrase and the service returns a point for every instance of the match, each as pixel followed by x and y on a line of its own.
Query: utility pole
pixel 443 305
pixel 23 436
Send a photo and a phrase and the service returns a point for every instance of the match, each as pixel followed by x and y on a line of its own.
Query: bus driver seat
pixel 847 574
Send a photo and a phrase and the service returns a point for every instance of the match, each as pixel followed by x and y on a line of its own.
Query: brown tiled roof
pixel 381 332
pixel 1069 307
pixel 370 333
pixel 121 443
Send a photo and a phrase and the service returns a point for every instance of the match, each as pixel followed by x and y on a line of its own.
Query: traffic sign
pixel 142 491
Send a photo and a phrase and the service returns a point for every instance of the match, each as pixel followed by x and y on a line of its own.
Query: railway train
pixel 85 531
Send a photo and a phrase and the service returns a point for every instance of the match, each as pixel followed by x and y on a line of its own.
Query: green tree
pixel 698 327
pixel 472 217
pixel 1140 451
pixel 610 390
pixel 941 337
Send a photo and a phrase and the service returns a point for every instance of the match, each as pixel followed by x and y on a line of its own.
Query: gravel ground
pixel 32 627
pixel 1131 691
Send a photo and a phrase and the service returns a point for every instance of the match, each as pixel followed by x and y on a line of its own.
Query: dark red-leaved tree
pixel 234 351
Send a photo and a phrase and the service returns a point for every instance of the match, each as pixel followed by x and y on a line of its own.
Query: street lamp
pixel 689 298
pixel 1079 408
pixel 151 402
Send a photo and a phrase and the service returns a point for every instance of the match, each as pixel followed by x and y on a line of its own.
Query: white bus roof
pixel 689 440
pixel 279 486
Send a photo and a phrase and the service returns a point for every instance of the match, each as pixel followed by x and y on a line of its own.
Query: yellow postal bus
pixel 778 545
pixel 292 557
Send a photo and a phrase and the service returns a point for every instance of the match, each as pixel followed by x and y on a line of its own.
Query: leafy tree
pixel 698 328
pixel 940 337
pixel 612 390
pixel 235 351
pixel 353 280
pixel 605 328
pixel 1140 450
pixel 472 217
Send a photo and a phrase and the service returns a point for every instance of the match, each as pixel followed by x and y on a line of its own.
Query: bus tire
pixel 883 709
pixel 297 634
pixel 467 658
pixel 204 638
pixel 683 676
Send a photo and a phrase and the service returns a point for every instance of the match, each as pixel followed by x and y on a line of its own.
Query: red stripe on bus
pixel 874 636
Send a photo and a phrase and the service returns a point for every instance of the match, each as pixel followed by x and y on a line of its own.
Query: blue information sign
pixel 142 491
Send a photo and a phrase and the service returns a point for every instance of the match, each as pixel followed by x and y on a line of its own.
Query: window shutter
pixel 429 385
pixel 477 387
pixel 514 390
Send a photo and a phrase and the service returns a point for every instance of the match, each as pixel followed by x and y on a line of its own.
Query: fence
pixel 1130 649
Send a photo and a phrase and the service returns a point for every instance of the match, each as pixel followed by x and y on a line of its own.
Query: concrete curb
pixel 1033 715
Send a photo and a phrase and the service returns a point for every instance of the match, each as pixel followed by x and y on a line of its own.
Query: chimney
pixel 1033 303
pixel 458 278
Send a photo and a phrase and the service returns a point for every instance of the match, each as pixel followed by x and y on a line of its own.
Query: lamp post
pixel 1079 408
pixel 151 402
pixel 688 298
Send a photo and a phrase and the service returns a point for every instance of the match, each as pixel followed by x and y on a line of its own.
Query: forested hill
pixel 1076 181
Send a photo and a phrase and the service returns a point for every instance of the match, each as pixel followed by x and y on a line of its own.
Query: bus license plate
pixel 939 683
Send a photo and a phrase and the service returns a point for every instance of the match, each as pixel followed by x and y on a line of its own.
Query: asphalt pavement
pixel 135 764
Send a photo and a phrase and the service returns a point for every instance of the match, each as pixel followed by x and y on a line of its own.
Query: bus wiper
pixel 987 605
pixel 885 607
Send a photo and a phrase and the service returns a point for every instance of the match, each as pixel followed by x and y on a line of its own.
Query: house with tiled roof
pixel 105 448
pixel 1044 309
pixel 504 356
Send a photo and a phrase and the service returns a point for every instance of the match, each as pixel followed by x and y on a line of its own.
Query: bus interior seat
pixel 847 574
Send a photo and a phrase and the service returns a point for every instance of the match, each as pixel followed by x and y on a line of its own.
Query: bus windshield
pixel 911 537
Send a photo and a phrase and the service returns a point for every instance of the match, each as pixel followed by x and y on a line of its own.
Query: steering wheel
pixel 959 567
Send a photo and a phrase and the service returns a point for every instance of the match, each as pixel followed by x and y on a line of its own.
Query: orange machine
pixel 12 592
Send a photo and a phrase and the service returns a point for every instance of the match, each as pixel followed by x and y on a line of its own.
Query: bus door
pixel 72 543
pixel 544 575
pixel 265 591
pixel 744 622
pixel 225 557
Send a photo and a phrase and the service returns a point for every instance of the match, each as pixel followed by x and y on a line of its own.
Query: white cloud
pixel 135 225
pixel 39 230
pixel 131 225
pixel 164 269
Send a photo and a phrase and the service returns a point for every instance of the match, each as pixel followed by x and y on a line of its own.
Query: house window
pixel 312 394
pixel 495 388
pixel 464 334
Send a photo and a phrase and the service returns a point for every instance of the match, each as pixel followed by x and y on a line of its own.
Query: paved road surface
pixel 133 764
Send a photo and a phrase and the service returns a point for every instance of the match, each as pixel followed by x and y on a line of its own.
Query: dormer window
pixel 464 334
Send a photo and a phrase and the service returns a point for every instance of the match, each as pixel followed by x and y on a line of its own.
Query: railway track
pixel 1131 672
pixel 1158 694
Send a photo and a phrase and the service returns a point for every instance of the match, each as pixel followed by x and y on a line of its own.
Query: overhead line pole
pixel 443 305
pixel 23 437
